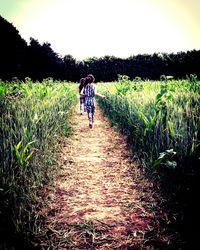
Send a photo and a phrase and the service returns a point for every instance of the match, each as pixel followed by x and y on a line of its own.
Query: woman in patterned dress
pixel 89 92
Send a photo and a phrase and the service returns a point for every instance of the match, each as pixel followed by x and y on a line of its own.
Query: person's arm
pixel 100 95
pixel 82 92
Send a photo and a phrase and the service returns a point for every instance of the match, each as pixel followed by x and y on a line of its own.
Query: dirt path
pixel 101 199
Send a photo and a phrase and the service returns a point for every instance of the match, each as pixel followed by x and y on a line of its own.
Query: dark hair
pixel 90 78
pixel 82 84
pixel 82 80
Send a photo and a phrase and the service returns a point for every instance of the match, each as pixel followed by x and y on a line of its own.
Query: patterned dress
pixel 89 101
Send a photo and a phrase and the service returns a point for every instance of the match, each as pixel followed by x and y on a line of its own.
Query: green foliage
pixel 165 78
pixel 194 84
pixel 157 117
pixel 33 117
pixel 165 159
pixel 22 155
pixel 123 84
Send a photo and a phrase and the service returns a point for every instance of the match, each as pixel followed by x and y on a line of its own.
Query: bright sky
pixel 122 28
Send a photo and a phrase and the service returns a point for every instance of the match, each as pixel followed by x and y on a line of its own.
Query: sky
pixel 96 28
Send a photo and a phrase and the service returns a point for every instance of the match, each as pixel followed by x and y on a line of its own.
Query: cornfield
pixel 33 116
pixel 160 118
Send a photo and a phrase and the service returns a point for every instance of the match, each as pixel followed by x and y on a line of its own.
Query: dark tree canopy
pixel 13 51
pixel 39 61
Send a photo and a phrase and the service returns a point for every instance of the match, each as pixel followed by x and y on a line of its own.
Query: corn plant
pixel 158 117
pixel 33 116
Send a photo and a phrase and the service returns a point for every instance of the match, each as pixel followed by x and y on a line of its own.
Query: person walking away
pixel 82 98
pixel 89 92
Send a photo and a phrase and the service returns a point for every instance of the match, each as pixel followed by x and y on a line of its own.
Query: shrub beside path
pixel 102 199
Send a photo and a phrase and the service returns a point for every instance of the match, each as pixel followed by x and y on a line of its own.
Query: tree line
pixel 39 61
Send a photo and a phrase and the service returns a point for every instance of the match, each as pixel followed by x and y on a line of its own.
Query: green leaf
pixel 162 155
pixel 18 145
pixel 27 146
pixel 29 156
pixel 171 164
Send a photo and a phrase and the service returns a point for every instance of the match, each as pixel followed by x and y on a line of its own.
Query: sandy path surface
pixel 101 198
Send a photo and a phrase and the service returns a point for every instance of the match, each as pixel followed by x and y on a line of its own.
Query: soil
pixel 102 198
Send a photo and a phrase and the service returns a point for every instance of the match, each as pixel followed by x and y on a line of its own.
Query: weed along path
pixel 101 198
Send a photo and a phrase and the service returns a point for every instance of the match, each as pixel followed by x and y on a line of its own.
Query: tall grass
pixel 161 119
pixel 162 123
pixel 32 118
